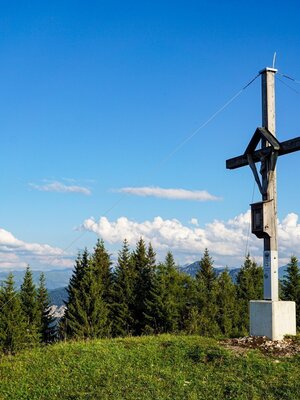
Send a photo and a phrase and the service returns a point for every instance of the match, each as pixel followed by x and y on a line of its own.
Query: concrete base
pixel 273 319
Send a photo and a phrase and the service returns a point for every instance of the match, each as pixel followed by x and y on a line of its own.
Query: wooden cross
pixel 264 214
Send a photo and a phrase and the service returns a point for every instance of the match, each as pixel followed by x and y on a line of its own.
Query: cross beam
pixel 287 147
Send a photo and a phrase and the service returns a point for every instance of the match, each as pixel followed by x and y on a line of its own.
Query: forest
pixel 136 296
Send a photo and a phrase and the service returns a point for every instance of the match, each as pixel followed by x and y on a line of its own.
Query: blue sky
pixel 95 95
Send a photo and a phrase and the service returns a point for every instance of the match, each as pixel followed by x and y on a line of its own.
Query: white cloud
pixel 194 221
pixel 173 194
pixel 16 254
pixel 61 188
pixel 228 241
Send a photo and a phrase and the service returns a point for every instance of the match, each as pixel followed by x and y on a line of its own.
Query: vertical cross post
pixel 270 257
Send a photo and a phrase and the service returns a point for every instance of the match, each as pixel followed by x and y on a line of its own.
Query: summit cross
pixel 266 317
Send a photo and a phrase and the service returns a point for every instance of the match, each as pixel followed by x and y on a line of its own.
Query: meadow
pixel 147 368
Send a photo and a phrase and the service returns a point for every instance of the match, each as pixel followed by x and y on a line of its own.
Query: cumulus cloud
pixel 61 188
pixel 173 194
pixel 16 253
pixel 228 241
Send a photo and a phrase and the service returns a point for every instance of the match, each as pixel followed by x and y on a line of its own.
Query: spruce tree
pixel 152 295
pixel 206 296
pixel 74 290
pixel 142 285
pixel 29 304
pixel 81 265
pixel 102 269
pixel 88 314
pixel 87 309
pixel 13 327
pixel 291 285
pixel 187 300
pixel 226 300
pixel 206 272
pixel 46 321
pixel 249 287
pixel 164 298
pixel 123 293
pixel 151 256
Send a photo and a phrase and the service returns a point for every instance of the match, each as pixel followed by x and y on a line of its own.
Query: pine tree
pixel 151 256
pixel 88 314
pixel 153 294
pixel 46 321
pixel 206 272
pixel 142 285
pixel 74 290
pixel 206 298
pixel 28 297
pixel 164 298
pixel 249 287
pixel 226 300
pixel 102 268
pixel 13 329
pixel 87 309
pixel 187 301
pixel 123 295
pixel 81 265
pixel 291 285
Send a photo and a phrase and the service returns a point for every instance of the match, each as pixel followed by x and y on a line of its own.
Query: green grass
pixel 163 367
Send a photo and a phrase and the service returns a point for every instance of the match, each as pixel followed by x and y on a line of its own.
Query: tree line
pixel 142 296
pixel 137 296
pixel 25 319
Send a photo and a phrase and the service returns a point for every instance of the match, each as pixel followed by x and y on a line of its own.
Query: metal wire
pixel 290 87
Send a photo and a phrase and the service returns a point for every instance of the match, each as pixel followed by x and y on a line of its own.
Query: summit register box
pixel 261 219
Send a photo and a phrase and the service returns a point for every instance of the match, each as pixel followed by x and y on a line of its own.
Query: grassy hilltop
pixel 161 367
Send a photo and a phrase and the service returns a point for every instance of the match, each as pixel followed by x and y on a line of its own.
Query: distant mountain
pixel 191 269
pixel 54 279
pixel 58 296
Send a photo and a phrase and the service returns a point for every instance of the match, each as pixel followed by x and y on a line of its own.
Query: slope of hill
pixel 147 368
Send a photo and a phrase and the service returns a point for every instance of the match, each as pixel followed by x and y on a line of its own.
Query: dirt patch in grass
pixel 287 347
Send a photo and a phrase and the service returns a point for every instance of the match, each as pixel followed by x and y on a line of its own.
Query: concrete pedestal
pixel 273 319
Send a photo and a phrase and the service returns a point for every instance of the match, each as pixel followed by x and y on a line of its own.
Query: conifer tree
pixel 187 302
pixel 28 297
pixel 164 298
pixel 151 256
pixel 81 265
pixel 46 321
pixel 74 290
pixel 291 285
pixel 87 316
pixel 153 295
pixel 142 285
pixel 249 287
pixel 206 298
pixel 123 293
pixel 102 269
pixel 206 272
pixel 193 322
pixel 87 309
pixel 13 327
pixel 226 300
